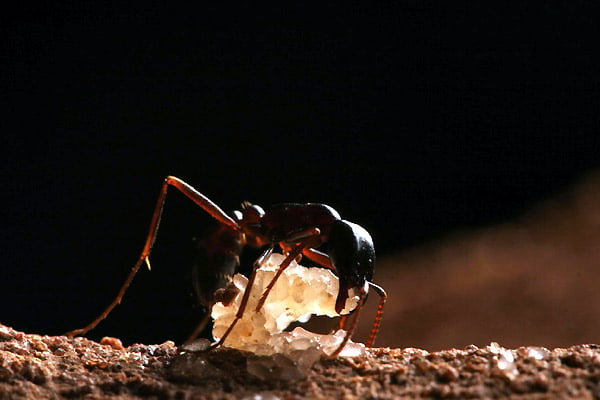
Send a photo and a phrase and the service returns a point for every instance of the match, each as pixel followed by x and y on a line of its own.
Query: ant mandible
pixel 298 229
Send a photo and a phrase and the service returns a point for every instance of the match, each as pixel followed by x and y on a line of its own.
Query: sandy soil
pixel 56 367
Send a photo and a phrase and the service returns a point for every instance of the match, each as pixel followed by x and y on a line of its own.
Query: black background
pixel 412 118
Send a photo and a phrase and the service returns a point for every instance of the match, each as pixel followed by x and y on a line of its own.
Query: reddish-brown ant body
pixel 298 229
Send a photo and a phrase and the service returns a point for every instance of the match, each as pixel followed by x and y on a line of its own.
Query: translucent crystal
pixel 298 294
pixel 505 360
pixel 538 353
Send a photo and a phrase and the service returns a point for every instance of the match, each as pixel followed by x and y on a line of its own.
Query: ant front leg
pixel 349 330
pixel 375 327
pixel 382 299
pixel 351 234
pixel 199 199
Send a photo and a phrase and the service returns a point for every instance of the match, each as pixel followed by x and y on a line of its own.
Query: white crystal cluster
pixel 299 293
pixel 505 360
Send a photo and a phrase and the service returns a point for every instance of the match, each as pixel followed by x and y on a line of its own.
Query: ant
pixel 298 229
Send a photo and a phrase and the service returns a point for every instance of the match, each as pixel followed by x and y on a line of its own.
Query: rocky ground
pixel 56 367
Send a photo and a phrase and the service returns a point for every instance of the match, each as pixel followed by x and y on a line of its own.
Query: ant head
pixel 250 223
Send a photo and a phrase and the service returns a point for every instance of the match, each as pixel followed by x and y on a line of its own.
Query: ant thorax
pixel 298 294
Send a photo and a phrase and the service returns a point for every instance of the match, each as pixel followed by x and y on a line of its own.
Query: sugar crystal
pixel 298 294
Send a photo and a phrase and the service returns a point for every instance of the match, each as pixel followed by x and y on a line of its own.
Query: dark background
pixel 413 119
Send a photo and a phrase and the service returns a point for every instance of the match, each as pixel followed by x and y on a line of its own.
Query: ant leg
pixel 318 257
pixel 324 260
pixel 343 322
pixel 202 201
pixel 199 328
pixel 198 198
pixel 350 330
pixel 375 328
pixel 309 241
pixel 242 308
pixel 382 299
pixel 114 303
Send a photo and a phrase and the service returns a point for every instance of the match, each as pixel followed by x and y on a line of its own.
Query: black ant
pixel 298 229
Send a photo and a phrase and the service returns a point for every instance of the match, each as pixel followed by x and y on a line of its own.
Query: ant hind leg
pixel 199 199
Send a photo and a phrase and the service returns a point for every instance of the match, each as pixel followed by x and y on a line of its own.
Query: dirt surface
pixel 56 367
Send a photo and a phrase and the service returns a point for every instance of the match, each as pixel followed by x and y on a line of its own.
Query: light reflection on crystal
pixel 298 294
